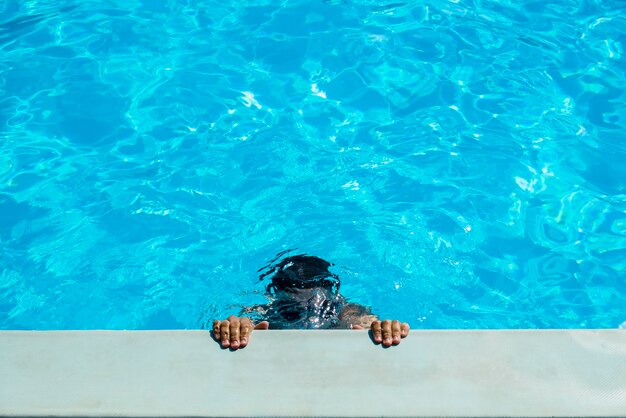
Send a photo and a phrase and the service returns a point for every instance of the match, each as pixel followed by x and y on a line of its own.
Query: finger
pixel 246 330
pixel 376 332
pixel 262 325
pixel 216 329
pixel 404 329
pixel 225 333
pixel 395 332
pixel 235 325
pixel 386 328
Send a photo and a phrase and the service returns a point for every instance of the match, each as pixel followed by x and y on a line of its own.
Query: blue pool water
pixel 463 163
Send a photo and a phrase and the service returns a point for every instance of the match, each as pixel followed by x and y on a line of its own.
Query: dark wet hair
pixel 301 272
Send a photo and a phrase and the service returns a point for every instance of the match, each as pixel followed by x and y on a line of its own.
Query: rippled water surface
pixel 463 163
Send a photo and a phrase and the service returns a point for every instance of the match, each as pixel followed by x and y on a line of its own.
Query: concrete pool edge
pixel 313 373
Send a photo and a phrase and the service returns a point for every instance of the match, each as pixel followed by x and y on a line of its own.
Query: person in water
pixel 304 294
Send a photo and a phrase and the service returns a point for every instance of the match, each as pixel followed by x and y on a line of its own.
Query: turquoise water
pixel 461 162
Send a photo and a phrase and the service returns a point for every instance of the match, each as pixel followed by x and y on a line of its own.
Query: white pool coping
pixel 313 373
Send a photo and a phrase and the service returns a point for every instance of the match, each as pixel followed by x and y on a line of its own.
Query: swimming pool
pixel 461 162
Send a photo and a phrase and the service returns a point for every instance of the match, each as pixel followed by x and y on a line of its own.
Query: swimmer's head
pixel 302 272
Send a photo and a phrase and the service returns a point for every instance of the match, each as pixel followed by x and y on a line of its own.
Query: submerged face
pixel 305 293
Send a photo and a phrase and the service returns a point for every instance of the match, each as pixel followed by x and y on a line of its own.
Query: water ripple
pixel 462 162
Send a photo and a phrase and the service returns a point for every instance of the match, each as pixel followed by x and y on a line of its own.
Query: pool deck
pixel 313 373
